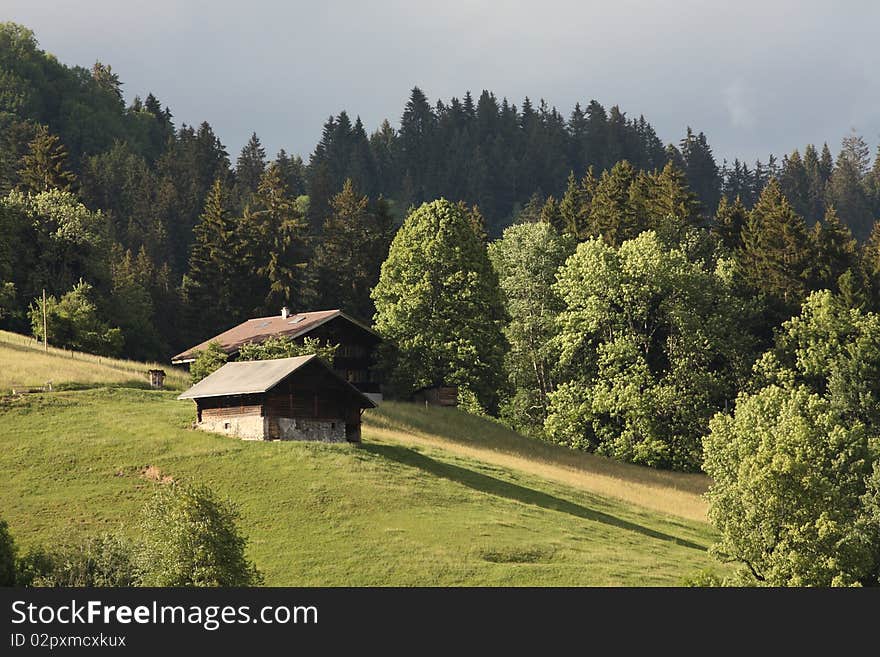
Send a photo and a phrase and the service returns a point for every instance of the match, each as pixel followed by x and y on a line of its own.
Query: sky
pixel 757 77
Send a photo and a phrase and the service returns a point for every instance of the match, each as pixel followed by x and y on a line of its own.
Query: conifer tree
pixel 794 182
pixel 44 167
pixel 869 266
pixel 835 251
pixel 292 172
pixel 730 219
pixel 672 199
pixel 815 185
pixel 280 233
pixel 575 205
pixel 550 214
pixel 701 169
pixel 250 165
pixel 847 190
pixel 776 253
pixel 826 163
pixel 354 243
pixel 211 285
pixel 610 214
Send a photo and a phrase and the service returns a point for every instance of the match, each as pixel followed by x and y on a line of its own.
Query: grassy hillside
pixel 466 435
pixel 23 362
pixel 432 496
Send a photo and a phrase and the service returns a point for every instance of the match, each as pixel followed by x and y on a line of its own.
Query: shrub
pixel 103 561
pixel 190 538
pixel 207 362
pixel 7 556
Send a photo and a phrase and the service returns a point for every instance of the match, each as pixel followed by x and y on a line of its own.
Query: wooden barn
pixel 354 359
pixel 436 396
pixel 299 398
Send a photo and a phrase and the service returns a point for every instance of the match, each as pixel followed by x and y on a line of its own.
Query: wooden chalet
pixel 299 398
pixel 354 360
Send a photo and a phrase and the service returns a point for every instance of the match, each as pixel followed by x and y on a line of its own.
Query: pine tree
pixel 701 170
pixel 416 144
pixel 671 203
pixel 869 266
pixel 354 243
pixel 596 130
pixel 383 145
pixel 550 214
pixel 281 232
pixel 826 163
pixel 815 185
pixel 874 183
pixel 250 165
pixel 730 219
pixel 847 190
pixel 794 182
pixel 835 252
pixel 108 81
pixel 45 165
pixel 610 214
pixel 575 205
pixel 211 283
pixel 132 306
pixel 776 253
pixel 531 212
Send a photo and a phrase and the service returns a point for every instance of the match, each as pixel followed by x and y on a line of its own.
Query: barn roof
pixel 259 376
pixel 261 328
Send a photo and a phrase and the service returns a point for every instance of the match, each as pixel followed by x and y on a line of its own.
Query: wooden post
pixel 45 330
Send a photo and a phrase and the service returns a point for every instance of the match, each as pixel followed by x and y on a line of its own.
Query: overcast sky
pixel 755 76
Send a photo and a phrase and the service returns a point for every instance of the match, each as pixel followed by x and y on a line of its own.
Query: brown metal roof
pixel 259 376
pixel 262 328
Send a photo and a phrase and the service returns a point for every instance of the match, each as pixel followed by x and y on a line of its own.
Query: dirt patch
pixel 537 554
pixel 153 473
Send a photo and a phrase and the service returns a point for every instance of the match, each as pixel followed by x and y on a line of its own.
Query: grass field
pixel 431 497
pixel 23 362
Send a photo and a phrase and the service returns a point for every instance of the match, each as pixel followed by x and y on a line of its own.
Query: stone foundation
pixel 325 431
pixel 256 427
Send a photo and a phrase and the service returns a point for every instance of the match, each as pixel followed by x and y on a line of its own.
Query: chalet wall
pixel 247 427
pixel 325 431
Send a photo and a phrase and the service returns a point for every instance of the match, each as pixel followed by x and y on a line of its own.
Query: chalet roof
pixel 259 376
pixel 262 328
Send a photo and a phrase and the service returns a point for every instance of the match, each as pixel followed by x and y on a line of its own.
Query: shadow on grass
pixel 493 486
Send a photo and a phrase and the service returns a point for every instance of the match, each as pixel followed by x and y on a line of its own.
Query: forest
pixel 576 277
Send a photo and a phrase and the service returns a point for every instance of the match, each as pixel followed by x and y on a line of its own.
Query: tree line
pixel 132 223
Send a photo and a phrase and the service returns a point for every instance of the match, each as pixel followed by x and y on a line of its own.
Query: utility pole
pixel 45 331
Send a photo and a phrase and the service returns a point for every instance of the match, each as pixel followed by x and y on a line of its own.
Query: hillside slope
pixel 450 430
pixel 432 496
pixel 23 362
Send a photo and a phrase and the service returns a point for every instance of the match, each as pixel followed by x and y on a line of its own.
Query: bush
pixel 103 561
pixel 207 362
pixel 34 566
pixel 190 538
pixel 287 347
pixel 7 556
pixel 74 323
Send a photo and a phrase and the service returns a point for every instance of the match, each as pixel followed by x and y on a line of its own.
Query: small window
pixel 332 425
pixel 226 425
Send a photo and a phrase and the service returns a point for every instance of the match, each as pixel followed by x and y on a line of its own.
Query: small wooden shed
pixel 298 398
pixel 157 378
pixel 437 396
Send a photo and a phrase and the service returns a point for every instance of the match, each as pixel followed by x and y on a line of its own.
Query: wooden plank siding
pixel 313 394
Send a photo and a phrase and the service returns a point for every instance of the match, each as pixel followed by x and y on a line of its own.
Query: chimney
pixel 285 312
